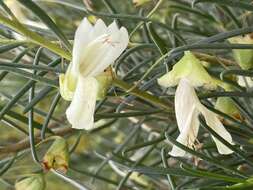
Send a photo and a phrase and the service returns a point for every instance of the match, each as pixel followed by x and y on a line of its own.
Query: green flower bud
pixel 57 156
pixel 191 68
pixel 32 182
pixel 244 57
pixel 138 3
pixel 104 81
pixel 227 106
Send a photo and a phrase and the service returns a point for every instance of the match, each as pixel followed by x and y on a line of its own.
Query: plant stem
pixel 143 95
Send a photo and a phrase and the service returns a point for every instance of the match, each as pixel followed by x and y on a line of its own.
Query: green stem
pixel 143 95
pixel 34 37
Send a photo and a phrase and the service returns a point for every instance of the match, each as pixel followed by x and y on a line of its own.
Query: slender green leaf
pixel 46 20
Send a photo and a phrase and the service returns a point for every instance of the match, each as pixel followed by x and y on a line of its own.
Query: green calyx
pixel 191 68
pixel 244 57
pixel 57 156
pixel 104 81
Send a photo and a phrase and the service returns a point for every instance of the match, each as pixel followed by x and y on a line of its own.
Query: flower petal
pixel 96 47
pixel 124 38
pixel 81 110
pixel 214 123
pixel 99 29
pixel 113 28
pixel 81 40
pixel 102 52
pixel 116 44
pixel 185 101
pixel 176 151
pixel 188 135
pixel 94 54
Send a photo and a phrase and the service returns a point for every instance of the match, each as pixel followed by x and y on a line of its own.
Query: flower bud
pixel 105 81
pixel 227 106
pixel 244 57
pixel 191 68
pixel 32 182
pixel 138 3
pixel 57 156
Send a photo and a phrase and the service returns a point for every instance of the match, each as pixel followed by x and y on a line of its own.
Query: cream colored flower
pixel 95 48
pixel 188 108
pixel 189 73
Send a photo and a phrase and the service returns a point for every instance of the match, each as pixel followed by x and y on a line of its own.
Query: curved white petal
pixel 176 151
pixel 81 40
pixel 222 149
pixel 81 110
pixel 189 133
pixel 99 29
pixel 102 52
pixel 94 54
pixel 116 42
pixel 96 47
pixel 124 38
pixel 187 108
pixel 214 123
pixel 185 100
pixel 113 28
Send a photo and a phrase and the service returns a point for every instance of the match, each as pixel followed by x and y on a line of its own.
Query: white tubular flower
pixel 95 48
pixel 188 107
pixel 187 74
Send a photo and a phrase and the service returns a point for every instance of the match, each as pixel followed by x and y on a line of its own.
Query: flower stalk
pixel 142 94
